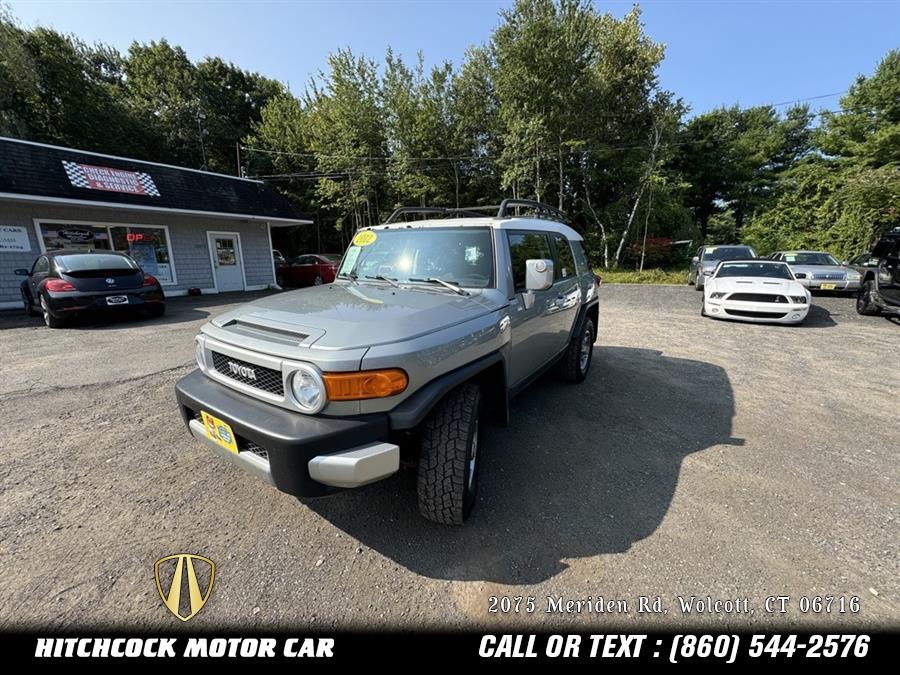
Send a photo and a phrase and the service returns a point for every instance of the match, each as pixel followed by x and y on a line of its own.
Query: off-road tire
pixel 574 367
pixel 448 476
pixel 864 304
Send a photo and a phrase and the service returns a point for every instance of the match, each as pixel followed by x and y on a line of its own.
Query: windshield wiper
pixel 352 277
pixel 381 277
pixel 446 284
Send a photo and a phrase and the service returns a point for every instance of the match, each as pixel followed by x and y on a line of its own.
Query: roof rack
pixel 470 211
pixel 540 209
pixel 504 210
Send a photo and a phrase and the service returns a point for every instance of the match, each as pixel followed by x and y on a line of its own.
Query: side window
pixel 581 257
pixel 526 246
pixel 564 265
pixel 304 260
pixel 41 265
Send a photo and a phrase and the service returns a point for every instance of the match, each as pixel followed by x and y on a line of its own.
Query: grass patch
pixel 648 276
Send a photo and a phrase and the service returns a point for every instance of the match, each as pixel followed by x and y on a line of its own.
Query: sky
pixel 717 52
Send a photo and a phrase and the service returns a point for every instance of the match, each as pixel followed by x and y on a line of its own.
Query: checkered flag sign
pixel 110 180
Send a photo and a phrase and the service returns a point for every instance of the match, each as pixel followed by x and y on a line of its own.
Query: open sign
pixel 134 236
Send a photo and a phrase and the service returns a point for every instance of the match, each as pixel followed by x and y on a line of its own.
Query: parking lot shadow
pixel 178 310
pixel 581 470
pixel 819 317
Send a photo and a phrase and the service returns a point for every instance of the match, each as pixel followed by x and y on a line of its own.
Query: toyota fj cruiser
pixel 430 326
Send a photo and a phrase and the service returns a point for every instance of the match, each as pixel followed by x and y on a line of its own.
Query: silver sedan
pixel 820 271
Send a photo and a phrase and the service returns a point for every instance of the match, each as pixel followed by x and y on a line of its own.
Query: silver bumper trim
pixel 355 467
pixel 248 461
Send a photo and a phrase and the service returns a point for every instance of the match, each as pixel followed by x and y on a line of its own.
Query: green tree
pixel 347 135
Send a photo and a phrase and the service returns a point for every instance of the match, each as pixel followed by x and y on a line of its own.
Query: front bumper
pixel 757 312
pixel 302 455
pixel 831 284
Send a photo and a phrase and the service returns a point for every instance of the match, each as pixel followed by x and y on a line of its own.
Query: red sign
pixel 109 179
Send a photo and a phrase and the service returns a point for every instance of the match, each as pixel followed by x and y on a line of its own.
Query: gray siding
pixel 187 235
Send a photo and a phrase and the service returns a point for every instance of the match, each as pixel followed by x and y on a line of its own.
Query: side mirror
pixel 22 272
pixel 538 275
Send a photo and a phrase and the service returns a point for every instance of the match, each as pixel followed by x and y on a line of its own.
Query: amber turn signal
pixel 364 384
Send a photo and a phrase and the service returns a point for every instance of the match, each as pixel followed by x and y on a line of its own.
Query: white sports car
pixel 762 291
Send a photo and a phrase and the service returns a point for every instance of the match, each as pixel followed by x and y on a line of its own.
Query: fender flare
pixel 410 413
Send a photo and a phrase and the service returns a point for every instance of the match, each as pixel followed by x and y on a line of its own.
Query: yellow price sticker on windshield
pixel 364 238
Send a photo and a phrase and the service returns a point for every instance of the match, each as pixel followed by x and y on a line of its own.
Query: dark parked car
pixel 308 270
pixel 880 292
pixel 708 258
pixel 862 263
pixel 63 284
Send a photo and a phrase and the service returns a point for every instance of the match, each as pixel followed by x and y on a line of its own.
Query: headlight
pixel 308 389
pixel 198 352
pixel 708 272
pixel 854 276
pixel 716 296
pixel 798 299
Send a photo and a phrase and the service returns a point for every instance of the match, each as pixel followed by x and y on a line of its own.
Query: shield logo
pixel 184 564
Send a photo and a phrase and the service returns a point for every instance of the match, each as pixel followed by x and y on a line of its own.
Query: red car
pixel 313 269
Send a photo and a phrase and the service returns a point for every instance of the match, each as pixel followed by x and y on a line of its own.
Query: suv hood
pixel 347 316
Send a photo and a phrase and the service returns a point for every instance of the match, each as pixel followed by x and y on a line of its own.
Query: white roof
pixel 512 223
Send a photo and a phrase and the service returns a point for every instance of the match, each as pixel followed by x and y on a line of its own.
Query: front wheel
pixel 865 304
pixel 448 463
pixel 26 302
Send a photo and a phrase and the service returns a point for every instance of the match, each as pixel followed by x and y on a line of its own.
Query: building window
pixel 149 248
pixel 58 236
pixel 147 244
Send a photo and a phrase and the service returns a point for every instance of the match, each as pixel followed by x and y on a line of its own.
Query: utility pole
pixel 237 152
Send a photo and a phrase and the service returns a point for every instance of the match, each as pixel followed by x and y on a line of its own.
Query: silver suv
pixel 430 327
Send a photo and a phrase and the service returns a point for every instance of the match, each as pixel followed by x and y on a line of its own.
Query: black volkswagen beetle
pixel 63 284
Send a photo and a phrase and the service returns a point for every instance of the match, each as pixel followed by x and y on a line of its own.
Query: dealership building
pixel 188 228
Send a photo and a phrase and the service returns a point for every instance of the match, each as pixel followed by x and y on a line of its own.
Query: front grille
pixel 757 297
pixel 263 378
pixel 829 276
pixel 755 315
pixel 246 445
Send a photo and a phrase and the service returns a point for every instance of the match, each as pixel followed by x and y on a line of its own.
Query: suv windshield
pixel 716 253
pixel 459 255
pixel 754 269
pixel 810 259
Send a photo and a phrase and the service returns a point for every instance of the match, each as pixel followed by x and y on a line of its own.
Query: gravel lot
pixel 700 458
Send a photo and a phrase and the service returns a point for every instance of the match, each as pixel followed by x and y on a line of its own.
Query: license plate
pixel 828 287
pixel 220 432
pixel 116 299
